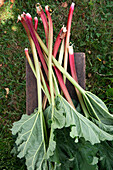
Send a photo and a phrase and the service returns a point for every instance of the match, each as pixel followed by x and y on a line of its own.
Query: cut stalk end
pixel 71 50
pixel 28 16
pixel 46 7
pixel 36 23
pixel 72 5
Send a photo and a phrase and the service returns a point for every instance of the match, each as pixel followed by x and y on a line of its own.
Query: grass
pixel 91 33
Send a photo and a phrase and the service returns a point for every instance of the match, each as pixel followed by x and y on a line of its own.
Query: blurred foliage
pixel 91 33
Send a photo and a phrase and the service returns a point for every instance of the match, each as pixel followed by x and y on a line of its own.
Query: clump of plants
pixel 58 135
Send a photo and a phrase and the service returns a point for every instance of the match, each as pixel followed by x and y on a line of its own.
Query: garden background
pixel 91 33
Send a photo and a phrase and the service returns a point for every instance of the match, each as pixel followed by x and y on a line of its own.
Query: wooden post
pixel 31 88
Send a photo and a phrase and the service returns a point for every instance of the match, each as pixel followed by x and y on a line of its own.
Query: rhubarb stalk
pixel 31 29
pixel 74 75
pixel 41 13
pixel 50 42
pixel 56 89
pixel 30 62
pixel 61 53
pixel 57 64
pixel 59 76
pixel 36 23
pixel 61 36
pixel 63 86
pixel 68 37
pixel 28 25
pixel 58 73
pixel 57 43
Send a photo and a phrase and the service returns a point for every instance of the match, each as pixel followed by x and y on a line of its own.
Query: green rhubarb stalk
pixel 39 93
pixel 55 87
pixel 30 62
pixel 61 52
pixel 50 42
pixel 37 66
pixel 32 67
pixel 55 84
pixel 45 86
pixel 44 102
pixel 57 64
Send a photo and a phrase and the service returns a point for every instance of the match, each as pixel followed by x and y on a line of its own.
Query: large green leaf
pixel 106 155
pixel 97 108
pixel 70 155
pixel 107 128
pixel 30 140
pixel 66 116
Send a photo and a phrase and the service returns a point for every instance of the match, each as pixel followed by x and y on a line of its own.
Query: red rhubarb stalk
pixel 29 23
pixel 63 86
pixel 36 23
pixel 22 19
pixel 41 13
pixel 68 37
pixel 28 31
pixel 46 89
pixel 57 43
pixel 74 75
pixel 58 73
pixel 72 64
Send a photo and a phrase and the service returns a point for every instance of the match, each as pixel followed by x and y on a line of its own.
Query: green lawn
pixel 91 33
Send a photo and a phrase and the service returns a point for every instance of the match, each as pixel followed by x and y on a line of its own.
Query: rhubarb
pixel 74 75
pixel 41 13
pixel 36 23
pixel 68 37
pixel 50 42
pixel 29 23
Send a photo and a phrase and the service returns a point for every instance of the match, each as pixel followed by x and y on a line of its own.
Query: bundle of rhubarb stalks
pixel 58 135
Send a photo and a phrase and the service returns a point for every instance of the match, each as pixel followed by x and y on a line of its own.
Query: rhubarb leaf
pixel 81 126
pixel 69 155
pixel 106 155
pixel 55 123
pixel 107 128
pixel 65 116
pixel 97 108
pixel 30 140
